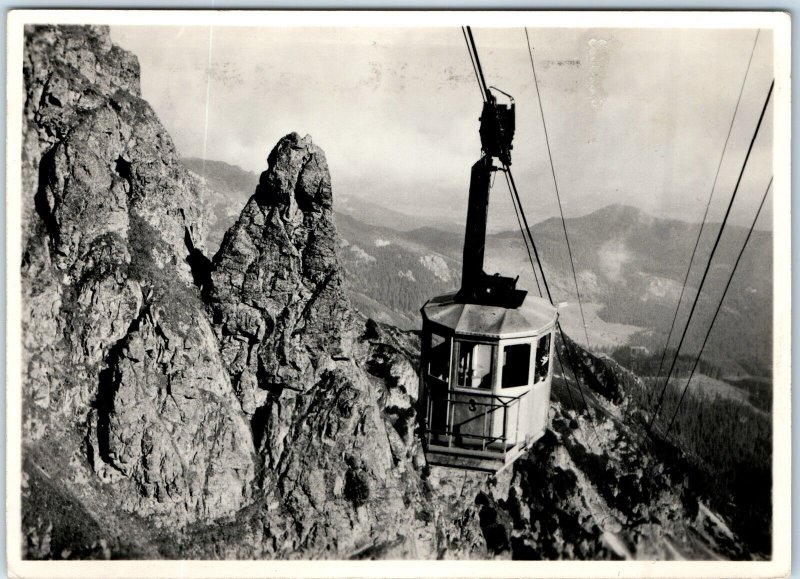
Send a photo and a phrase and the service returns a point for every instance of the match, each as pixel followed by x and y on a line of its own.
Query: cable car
pixel 486 360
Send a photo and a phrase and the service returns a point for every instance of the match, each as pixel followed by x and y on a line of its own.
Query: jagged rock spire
pixel 276 282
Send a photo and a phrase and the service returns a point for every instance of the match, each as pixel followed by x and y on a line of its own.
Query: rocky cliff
pixel 119 350
pixel 178 405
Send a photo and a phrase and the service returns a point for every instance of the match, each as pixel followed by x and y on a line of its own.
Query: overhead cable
pixel 555 185
pixel 705 214
pixel 711 256
pixel 719 306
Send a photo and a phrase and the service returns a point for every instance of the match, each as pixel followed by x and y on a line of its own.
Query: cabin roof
pixel 532 317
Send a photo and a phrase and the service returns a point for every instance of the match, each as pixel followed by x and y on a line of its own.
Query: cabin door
pixel 437 381
pixel 472 410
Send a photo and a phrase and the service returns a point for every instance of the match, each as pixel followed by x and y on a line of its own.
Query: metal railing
pixel 486 407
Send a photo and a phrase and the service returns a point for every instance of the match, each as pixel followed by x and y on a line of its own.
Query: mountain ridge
pixel 405 222
pixel 630 264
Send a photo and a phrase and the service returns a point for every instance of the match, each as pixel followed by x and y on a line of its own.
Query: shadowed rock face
pixel 290 343
pixel 117 344
pixel 276 288
pixel 176 406
pixel 184 404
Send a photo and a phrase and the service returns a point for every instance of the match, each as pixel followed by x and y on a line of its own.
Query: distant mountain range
pixel 235 181
pixel 633 266
pixel 630 268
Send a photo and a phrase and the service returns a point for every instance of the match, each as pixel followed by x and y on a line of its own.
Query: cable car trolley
pixel 486 364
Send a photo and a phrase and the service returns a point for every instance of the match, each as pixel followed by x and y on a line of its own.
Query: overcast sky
pixel 634 116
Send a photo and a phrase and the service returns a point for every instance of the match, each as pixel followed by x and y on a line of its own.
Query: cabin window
pixel 439 358
pixel 516 365
pixel 542 358
pixel 475 365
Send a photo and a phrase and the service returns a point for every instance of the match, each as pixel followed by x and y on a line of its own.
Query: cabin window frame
pixel 455 353
pixel 549 332
pixel 530 340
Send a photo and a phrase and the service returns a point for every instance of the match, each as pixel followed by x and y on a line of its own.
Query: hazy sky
pixel 634 116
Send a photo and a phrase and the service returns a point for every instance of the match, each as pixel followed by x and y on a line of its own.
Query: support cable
pixel 711 256
pixel 705 214
pixel 481 81
pixel 572 364
pixel 558 354
pixel 569 393
pixel 472 60
pixel 566 383
pixel 515 194
pixel 524 238
pixel 474 49
pixel 555 184
pixel 719 306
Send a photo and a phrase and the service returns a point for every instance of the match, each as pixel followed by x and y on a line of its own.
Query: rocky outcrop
pixel 194 412
pixel 117 343
pixel 330 472
pixel 276 289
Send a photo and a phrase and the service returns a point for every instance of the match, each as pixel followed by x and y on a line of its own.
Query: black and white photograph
pixel 398 294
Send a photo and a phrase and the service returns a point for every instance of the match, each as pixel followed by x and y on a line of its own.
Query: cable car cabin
pixel 487 348
pixel 486 374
